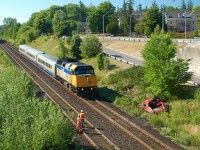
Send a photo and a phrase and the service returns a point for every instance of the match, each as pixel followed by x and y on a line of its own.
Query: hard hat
pixel 81 110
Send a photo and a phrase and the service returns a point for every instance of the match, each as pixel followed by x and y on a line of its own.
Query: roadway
pixel 136 60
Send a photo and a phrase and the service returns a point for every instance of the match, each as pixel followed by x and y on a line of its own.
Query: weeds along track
pixel 106 126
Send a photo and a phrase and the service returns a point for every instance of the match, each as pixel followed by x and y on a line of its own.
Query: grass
pixel 103 74
pixel 46 44
pixel 1 67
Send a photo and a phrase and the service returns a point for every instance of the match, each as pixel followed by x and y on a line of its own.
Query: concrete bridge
pixel 190 51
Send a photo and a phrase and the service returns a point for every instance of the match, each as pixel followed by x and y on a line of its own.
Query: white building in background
pixel 176 20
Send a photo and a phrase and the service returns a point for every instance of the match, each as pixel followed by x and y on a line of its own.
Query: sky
pixel 22 9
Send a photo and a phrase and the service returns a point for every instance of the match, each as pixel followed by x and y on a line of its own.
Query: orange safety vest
pixel 78 121
pixel 82 115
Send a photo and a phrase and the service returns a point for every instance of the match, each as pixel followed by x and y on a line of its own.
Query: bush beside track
pixel 26 123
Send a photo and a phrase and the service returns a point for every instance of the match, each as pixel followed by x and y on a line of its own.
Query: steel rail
pixel 86 135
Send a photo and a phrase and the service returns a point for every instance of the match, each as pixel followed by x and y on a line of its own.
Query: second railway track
pixel 107 126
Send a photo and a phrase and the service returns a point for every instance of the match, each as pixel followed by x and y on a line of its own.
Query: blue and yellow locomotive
pixel 77 76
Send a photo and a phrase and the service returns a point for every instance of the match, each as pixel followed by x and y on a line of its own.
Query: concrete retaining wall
pixel 191 51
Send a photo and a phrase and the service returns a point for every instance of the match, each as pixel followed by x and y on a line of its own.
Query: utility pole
pixel 185 23
pixel 103 22
pixel 162 11
pixel 86 27
pixel 130 26
pixel 162 20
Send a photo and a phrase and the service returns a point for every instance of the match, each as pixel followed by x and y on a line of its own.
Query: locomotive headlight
pixel 82 89
pixel 91 88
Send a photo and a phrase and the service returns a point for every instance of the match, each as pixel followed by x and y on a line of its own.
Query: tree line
pixel 75 18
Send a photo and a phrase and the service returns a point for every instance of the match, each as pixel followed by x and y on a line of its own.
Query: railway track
pixel 106 126
pixel 92 140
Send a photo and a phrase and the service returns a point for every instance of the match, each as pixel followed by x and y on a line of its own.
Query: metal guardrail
pixel 127 62
pixel 196 40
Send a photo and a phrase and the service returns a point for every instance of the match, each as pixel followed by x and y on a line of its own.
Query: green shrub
pixel 128 105
pixel 4 60
pixel 197 94
pixel 68 40
pixel 195 117
pixel 26 123
pixel 156 121
pixel 106 63
pixel 195 140
pixel 125 80
pixel 100 61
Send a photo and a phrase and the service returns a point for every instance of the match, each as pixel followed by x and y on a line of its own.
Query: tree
pixel 41 23
pixel 139 7
pixel 152 18
pixel 9 21
pixel 62 25
pixel 90 47
pixel 126 17
pixel 26 33
pixel 103 62
pixel 147 31
pixel 140 27
pixel 73 12
pixel 106 63
pixel 10 30
pixel 83 10
pixel 63 49
pixel 112 27
pixel 163 75
pixel 31 19
pixel 183 5
pixel 170 8
pixel 190 5
pixel 197 9
pixel 154 3
pixel 95 18
pixel 75 46
pixel 157 30
pixel 100 61
pixel 130 4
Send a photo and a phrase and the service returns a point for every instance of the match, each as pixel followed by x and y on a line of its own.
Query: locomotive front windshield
pixel 81 70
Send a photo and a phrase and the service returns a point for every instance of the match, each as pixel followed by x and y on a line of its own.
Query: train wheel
pixel 69 87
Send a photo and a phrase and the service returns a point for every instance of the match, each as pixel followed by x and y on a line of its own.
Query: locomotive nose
pixel 87 79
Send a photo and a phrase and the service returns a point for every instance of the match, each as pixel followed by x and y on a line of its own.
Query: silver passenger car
pixel 47 63
pixel 30 52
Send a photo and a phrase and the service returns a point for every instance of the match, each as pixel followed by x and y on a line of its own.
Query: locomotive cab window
pixel 84 70
pixel 73 73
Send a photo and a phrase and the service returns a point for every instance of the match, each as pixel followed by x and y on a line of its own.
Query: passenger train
pixel 77 76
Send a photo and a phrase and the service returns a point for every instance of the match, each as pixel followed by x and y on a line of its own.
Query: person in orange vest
pixel 82 116
pixel 79 124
